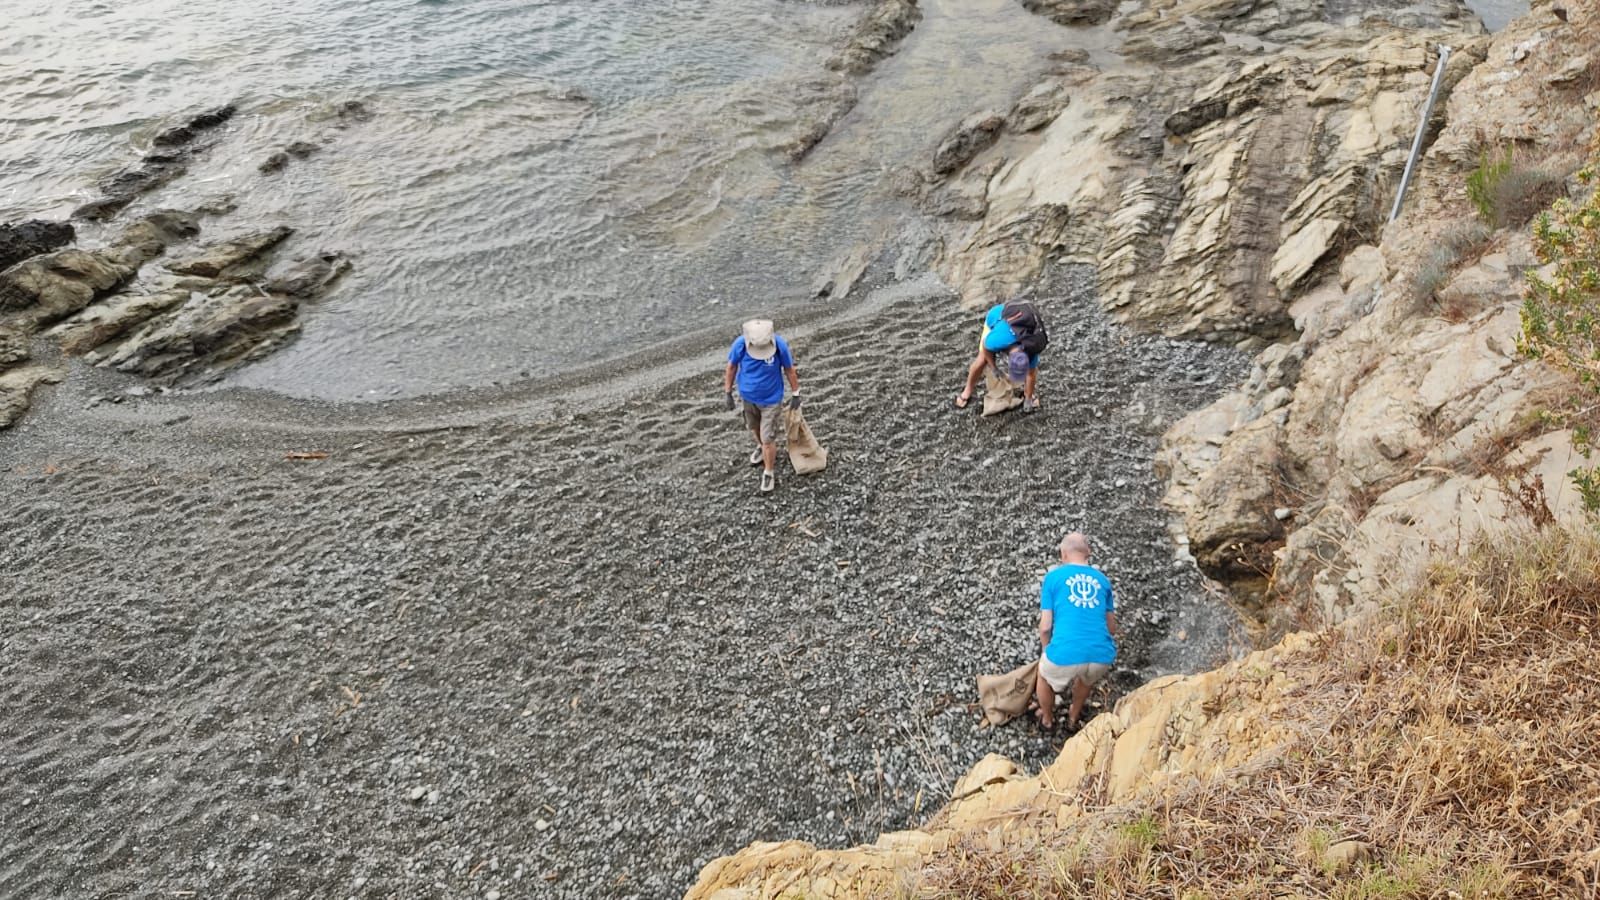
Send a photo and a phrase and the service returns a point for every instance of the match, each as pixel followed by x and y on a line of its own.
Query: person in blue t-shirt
pixel 1077 628
pixel 998 339
pixel 759 361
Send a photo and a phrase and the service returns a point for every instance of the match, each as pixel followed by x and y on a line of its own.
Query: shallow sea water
pixel 544 184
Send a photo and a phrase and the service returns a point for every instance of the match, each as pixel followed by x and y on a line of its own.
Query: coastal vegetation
pixel 1561 315
pixel 1446 746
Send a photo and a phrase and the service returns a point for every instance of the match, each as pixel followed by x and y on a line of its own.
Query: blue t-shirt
pixel 997 333
pixel 1080 597
pixel 760 381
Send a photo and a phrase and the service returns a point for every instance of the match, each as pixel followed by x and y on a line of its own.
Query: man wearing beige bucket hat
pixel 759 361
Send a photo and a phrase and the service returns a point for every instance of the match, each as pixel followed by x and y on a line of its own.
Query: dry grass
pixel 1458 245
pixel 1457 733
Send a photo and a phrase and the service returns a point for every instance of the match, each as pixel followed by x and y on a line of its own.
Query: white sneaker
pixel 768 481
pixel 756 458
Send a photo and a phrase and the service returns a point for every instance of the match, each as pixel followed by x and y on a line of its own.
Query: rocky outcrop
pixel 172 150
pixel 1230 181
pixel 208 332
pixel 31 238
pixel 1399 421
pixel 220 306
pixel 208 309
pixel 1217 172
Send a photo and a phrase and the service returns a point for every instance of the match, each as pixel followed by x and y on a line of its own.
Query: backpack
pixel 1027 324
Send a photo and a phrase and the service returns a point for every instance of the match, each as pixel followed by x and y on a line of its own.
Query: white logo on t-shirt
pixel 1081 590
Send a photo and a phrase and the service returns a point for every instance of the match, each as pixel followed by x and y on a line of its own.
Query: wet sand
pixel 551 641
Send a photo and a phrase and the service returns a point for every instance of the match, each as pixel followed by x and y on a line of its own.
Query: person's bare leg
pixel 1047 702
pixel 1029 384
pixel 974 373
pixel 1080 693
pixel 769 454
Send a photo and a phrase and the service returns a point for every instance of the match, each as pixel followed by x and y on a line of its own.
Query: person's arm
pixel 1111 609
pixel 1047 625
pixel 727 378
pixel 794 386
pixel 1111 623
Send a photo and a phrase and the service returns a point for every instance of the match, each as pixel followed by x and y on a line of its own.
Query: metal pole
pixel 1422 127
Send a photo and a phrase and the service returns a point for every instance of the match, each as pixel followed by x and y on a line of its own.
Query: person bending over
pixel 759 361
pixel 1015 331
pixel 1077 629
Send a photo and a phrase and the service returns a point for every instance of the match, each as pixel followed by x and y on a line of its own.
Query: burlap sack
pixel 1004 697
pixel 999 394
pixel 805 454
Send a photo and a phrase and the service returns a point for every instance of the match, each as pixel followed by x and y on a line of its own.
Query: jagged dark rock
pixel 156 169
pixel 187 132
pixel 31 238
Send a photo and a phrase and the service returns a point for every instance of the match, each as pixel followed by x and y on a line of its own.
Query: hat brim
pixel 762 353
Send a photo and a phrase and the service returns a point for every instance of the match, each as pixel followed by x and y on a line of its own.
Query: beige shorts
pixel 1060 677
pixel 764 420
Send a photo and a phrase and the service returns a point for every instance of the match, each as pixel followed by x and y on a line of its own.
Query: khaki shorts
pixel 764 420
pixel 1060 677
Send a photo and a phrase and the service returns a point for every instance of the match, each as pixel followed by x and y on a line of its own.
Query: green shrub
pixel 1561 313
pixel 1506 193
pixel 1483 180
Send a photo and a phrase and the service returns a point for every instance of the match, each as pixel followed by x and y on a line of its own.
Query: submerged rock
pixel 187 132
pixel 176 145
pixel 277 161
pixel 877 36
pixel 1073 12
pixel 308 277
pixel 108 320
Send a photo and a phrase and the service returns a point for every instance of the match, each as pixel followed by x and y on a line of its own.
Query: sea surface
pixel 542 186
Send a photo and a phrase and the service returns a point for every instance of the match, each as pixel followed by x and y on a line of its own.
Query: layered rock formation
pixel 1230 179
pixel 1400 419
pixel 1234 189
pixel 191 317
pixel 1215 172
